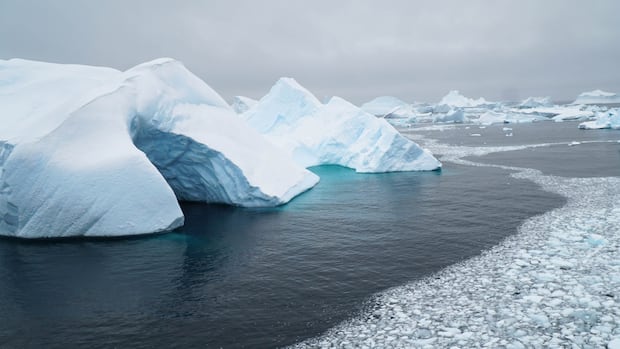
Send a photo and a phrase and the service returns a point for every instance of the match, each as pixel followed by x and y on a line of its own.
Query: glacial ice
pixel 607 119
pixel 534 102
pixel 98 152
pixel 336 133
pixel 241 104
pixel 388 107
pixel 597 97
pixel 455 99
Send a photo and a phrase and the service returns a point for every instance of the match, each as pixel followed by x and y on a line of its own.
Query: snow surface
pixel 597 97
pixel 608 119
pixel 98 152
pixel 241 104
pixel 553 285
pixel 336 133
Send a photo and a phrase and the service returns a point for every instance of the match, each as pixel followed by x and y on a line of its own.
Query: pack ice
pixel 336 133
pixel 89 151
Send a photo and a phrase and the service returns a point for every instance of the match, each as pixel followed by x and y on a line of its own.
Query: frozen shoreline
pixel 553 284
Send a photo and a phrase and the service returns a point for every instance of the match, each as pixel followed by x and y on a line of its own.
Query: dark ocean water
pixel 258 278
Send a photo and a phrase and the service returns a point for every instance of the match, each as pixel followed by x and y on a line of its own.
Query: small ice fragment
pixel 475 135
pixel 481 127
pixel 509 134
pixel 506 129
pixel 573 143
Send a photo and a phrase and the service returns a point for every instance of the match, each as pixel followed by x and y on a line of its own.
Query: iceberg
pixel 535 102
pixel 241 104
pixel 456 115
pixel 388 107
pixel 336 133
pixel 455 99
pixel 89 151
pixel 604 120
pixel 597 97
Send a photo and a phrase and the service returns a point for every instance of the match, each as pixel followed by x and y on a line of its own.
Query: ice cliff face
pixel 336 133
pixel 98 152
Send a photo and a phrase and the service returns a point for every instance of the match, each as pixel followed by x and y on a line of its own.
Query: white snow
pixel 455 99
pixel 336 133
pixel 80 150
pixel 608 119
pixel 597 97
pixel 241 104
pixel 553 285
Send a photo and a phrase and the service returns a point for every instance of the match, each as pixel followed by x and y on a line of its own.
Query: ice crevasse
pixel 90 151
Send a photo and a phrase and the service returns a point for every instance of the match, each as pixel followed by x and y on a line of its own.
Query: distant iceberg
pixel 388 107
pixel 241 104
pixel 597 97
pixel 535 102
pixel 455 99
pixel 88 151
pixel 608 119
pixel 336 133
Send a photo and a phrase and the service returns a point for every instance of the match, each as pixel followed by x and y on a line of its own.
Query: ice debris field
pixel 555 284
pixel 92 151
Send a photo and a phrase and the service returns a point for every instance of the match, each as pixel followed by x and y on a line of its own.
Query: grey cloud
pixel 416 50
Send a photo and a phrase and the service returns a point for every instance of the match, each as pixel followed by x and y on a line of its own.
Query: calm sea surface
pixel 256 278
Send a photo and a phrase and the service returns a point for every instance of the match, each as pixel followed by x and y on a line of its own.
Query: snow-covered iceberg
pixel 535 102
pixel 88 151
pixel 455 99
pixel 597 97
pixel 336 133
pixel 241 104
pixel 608 119
pixel 388 107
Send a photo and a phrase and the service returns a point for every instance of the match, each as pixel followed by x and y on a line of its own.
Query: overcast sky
pixel 415 50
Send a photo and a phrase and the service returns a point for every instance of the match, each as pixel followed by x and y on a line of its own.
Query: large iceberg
pixel 336 133
pixel 88 151
pixel 597 97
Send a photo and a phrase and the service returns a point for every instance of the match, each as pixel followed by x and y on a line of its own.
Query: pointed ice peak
pixel 384 105
pixel 289 87
pixel 456 99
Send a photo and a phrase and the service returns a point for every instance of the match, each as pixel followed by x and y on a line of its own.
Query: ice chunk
pixel 336 133
pixel 456 115
pixel 603 120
